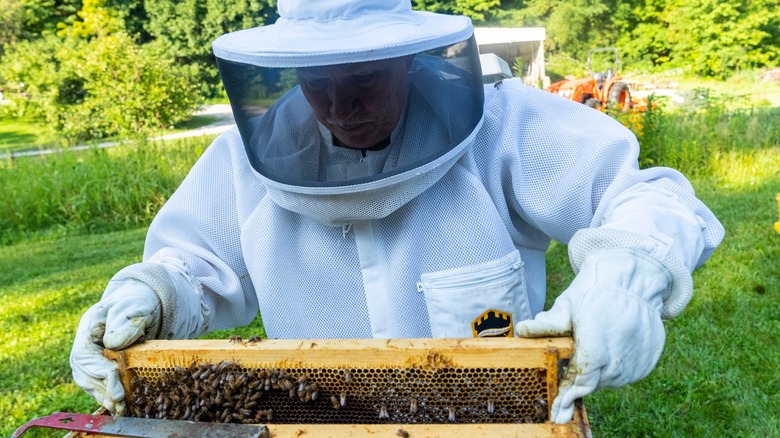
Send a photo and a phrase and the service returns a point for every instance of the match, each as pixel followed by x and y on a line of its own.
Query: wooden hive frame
pixel 338 357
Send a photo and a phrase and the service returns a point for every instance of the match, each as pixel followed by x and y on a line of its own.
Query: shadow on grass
pixel 47 259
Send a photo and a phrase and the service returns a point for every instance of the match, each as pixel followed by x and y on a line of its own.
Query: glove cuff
pixel 590 241
pixel 156 277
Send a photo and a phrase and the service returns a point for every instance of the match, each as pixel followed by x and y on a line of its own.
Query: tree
pixel 478 10
pixel 187 28
pixel 92 80
pixel 41 16
pixel 11 14
pixel 716 37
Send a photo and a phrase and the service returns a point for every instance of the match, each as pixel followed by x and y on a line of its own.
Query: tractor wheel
pixel 593 103
pixel 619 97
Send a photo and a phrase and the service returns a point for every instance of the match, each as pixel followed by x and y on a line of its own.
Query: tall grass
pixel 698 142
pixel 93 190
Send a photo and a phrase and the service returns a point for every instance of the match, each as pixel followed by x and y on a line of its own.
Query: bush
pixel 92 80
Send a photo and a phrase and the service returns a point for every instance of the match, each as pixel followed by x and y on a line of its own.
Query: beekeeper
pixel 391 195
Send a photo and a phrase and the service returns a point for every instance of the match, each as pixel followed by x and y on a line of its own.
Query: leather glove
pixel 129 310
pixel 613 309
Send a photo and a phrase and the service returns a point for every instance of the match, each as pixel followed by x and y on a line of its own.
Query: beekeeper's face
pixel 359 103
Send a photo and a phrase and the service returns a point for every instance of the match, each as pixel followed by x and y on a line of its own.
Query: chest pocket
pixel 480 300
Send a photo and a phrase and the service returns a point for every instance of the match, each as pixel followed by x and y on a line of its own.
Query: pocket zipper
pixel 484 277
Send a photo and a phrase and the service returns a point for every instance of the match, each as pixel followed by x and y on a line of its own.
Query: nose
pixel 344 102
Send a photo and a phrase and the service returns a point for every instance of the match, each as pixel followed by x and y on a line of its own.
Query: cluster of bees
pixel 228 392
pixel 221 392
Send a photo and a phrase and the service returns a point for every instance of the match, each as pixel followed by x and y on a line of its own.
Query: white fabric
pixel 184 314
pixel 128 311
pixel 145 300
pixel 540 168
pixel 456 296
pixel 613 308
pixel 675 243
pixel 341 31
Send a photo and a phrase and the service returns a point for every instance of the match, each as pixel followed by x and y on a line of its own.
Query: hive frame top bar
pixel 460 353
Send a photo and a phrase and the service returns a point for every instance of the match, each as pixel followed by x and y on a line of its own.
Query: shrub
pixel 91 80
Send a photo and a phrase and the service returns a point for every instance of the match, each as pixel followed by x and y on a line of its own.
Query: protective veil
pixel 295 156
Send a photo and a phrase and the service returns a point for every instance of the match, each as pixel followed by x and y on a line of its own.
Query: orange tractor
pixel 600 89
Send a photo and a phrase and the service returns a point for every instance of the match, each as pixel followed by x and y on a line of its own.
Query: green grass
pixel 20 134
pixel 193 123
pixel 24 134
pixel 743 90
pixel 46 285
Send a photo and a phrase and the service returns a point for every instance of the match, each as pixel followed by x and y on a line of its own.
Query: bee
pixel 402 433
pixel 335 402
pixel 343 399
pixel 413 406
pixel 235 338
pixel 383 414
pixel 451 416
pixel 498 84
pixel 540 406
pixel 491 406
pixel 347 375
pixel 253 339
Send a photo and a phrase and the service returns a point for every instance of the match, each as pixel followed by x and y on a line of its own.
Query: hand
pixel 613 309
pixel 129 310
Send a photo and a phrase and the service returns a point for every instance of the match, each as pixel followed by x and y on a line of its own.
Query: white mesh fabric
pixel 156 277
pixel 594 240
pixel 540 168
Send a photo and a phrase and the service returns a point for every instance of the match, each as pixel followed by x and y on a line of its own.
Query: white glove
pixel 613 309
pixel 129 310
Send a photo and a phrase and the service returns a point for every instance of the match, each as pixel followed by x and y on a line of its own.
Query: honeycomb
pixel 228 391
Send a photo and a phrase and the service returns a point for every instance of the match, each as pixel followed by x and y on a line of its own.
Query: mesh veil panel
pixel 286 145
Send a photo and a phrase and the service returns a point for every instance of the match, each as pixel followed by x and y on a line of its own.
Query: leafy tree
pixel 41 16
pixel 187 28
pixel 92 80
pixel 716 37
pixel 477 10
pixel 11 14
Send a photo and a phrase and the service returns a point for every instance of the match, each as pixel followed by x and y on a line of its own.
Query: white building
pixel 509 43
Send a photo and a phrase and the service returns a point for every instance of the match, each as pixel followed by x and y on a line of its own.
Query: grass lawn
pixel 717 377
pixel 743 90
pixel 23 134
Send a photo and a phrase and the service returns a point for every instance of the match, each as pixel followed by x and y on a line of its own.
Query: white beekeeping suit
pixel 439 231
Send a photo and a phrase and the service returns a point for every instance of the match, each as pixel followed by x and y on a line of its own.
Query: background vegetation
pixel 89 69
